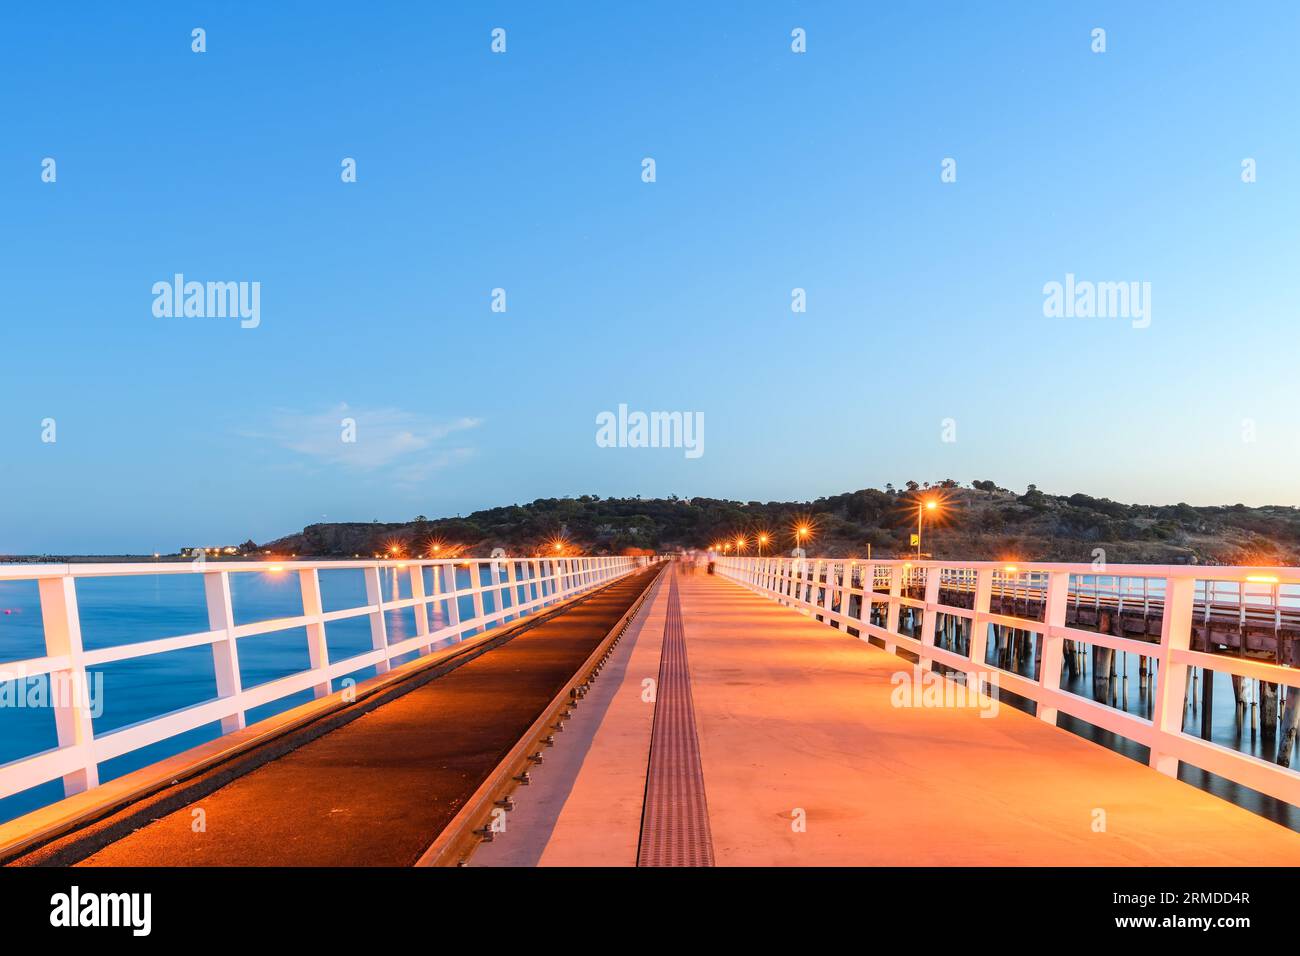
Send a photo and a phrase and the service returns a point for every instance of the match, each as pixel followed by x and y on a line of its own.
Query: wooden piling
pixel 1268 710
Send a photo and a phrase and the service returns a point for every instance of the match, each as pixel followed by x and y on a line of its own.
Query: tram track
pixel 409 772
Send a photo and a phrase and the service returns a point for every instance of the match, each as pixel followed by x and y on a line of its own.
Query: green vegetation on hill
pixel 979 521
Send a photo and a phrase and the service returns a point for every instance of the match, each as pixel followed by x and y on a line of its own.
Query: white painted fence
pixel 819 585
pixel 531 583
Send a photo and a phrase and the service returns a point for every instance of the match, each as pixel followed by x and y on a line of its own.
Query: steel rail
pixel 472 825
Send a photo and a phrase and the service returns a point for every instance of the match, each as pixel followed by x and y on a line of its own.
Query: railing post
pixel 868 589
pixel 317 648
pixel 1049 672
pixel 979 623
pixel 895 592
pixel 512 582
pixel 846 591
pixel 225 654
pixel 72 718
pixel 435 608
pixel 1171 678
pixel 929 617
pixel 451 586
pixel 378 626
pixel 494 574
pixel 421 609
pixel 827 592
pixel 476 588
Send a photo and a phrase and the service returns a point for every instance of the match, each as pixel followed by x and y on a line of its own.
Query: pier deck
pixel 792 715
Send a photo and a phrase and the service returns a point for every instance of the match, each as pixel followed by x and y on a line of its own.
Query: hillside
pixel 977 521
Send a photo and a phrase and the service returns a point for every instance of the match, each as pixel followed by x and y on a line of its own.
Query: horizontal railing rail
pixel 529 583
pixel 1177 593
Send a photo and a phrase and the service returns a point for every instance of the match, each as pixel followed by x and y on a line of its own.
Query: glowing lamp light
pixel 1262 579
pixel 1009 567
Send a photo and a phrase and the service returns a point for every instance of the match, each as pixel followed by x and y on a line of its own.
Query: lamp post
pixel 921 508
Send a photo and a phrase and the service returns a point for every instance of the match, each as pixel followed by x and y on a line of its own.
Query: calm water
pixel 124 610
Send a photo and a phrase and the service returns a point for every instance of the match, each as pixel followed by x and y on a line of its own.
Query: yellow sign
pixel 916 540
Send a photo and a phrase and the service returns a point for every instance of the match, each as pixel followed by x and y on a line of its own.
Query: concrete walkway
pixel 807 762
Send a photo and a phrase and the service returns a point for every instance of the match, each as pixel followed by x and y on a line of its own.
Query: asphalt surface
pixel 379 790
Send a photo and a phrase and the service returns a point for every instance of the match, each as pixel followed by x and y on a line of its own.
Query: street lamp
pixel 921 508
pixel 802 532
pixel 740 544
pixel 762 542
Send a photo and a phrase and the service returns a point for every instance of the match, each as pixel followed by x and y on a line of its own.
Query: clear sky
pixel 523 171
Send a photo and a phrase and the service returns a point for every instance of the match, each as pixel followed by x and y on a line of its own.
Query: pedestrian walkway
pixel 806 761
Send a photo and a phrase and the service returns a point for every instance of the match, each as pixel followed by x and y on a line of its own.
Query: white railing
pixel 823 587
pixel 531 583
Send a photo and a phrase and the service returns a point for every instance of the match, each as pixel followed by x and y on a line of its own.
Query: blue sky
pixel 522 171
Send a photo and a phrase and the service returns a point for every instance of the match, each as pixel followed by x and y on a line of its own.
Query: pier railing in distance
pixel 1183 596
pixel 529 583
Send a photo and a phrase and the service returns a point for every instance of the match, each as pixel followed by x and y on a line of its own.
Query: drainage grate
pixel 675 817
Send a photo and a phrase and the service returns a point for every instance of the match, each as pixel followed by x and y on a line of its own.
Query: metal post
pixel 1171 676
pixel 378 626
pixel 1049 675
pixel 317 648
pixel 72 720
pixel 225 655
